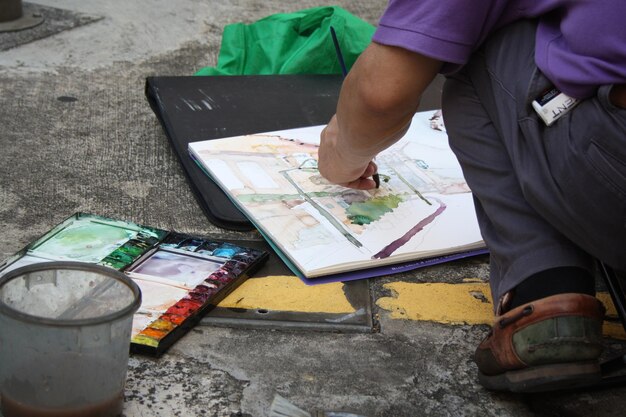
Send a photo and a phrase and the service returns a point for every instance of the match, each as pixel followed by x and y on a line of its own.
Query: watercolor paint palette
pixel 181 277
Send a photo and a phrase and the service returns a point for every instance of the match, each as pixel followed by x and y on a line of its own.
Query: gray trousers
pixel 545 197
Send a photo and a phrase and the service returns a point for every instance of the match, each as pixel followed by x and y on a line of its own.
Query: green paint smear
pixel 90 238
pixel 86 242
pixel 372 210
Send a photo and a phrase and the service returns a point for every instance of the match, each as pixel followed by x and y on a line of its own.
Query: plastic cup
pixel 64 339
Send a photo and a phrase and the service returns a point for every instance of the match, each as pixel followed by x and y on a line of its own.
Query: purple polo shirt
pixel 580 44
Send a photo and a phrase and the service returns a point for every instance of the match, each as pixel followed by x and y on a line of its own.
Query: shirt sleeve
pixel 447 30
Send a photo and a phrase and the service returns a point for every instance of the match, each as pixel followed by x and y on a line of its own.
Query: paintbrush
pixel 283 408
pixel 344 70
pixel 342 63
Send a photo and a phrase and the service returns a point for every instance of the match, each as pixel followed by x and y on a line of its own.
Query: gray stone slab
pixel 359 321
pixel 53 20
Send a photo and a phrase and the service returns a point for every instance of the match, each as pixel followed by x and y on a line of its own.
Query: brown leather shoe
pixel 548 344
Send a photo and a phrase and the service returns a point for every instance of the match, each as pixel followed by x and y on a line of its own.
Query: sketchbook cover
pixel 423 209
pixel 181 277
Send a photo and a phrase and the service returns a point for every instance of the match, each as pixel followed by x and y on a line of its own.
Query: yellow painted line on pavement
pixel 611 328
pixel 466 303
pixel 288 293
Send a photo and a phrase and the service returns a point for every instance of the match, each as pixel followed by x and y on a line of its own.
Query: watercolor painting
pixel 423 208
pixel 181 277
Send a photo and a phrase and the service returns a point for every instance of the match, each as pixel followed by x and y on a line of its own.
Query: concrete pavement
pixel 105 153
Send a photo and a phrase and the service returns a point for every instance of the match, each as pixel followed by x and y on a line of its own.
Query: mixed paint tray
pixel 181 277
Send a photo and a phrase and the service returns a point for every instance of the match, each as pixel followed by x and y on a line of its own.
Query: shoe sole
pixel 544 378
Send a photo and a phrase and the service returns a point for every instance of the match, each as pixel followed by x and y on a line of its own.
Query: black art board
pixel 194 108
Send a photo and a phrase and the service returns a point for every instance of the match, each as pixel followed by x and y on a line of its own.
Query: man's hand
pixel 343 169
pixel 378 99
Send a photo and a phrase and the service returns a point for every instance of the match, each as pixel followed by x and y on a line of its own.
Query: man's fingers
pixel 371 169
pixel 361 184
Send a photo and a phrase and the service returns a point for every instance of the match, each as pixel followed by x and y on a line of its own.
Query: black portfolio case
pixel 193 108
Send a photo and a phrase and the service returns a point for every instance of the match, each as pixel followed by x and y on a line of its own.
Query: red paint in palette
pixel 184 307
pixel 173 318
pixel 220 276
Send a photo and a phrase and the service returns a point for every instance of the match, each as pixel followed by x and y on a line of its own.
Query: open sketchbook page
pixel 423 208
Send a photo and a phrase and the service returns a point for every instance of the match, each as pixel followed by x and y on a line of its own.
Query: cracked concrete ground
pixel 78 135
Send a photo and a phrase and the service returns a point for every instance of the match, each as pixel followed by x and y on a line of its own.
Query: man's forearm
pixel 376 104
pixel 380 96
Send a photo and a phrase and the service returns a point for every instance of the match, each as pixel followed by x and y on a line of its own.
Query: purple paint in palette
pixel 206 287
pixel 220 277
pixel 235 267
pixel 198 296
pixel 183 276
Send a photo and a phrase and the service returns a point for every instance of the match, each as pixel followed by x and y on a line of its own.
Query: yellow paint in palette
pixel 162 325
pixel 144 340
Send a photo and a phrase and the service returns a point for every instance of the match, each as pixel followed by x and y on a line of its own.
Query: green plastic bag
pixel 292 43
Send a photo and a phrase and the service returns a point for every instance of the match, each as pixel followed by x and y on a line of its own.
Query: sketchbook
pixel 423 208
pixel 181 277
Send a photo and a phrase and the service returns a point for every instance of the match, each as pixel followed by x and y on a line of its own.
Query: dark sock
pixel 551 282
